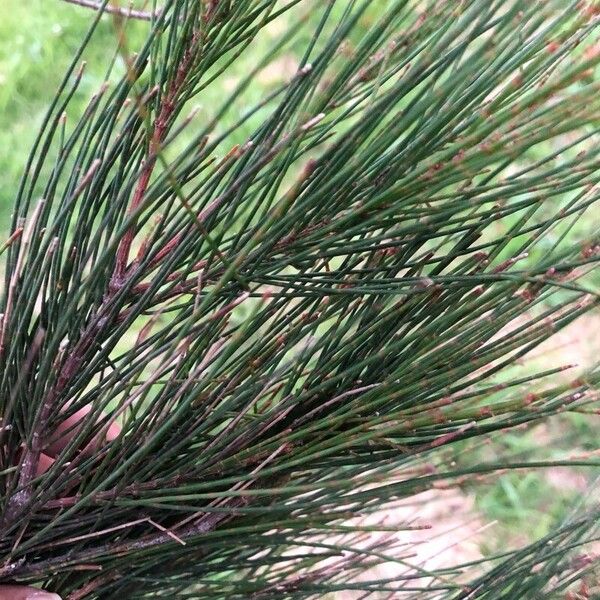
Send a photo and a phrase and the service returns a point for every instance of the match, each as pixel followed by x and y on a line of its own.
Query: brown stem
pixel 88 588
pixel 116 10
pixel 161 128
pixel 21 498
pixel 31 456
pixel 205 524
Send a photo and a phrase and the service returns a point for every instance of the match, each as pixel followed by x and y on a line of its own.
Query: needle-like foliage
pixel 291 302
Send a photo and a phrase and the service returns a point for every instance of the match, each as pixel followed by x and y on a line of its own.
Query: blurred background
pixel 38 39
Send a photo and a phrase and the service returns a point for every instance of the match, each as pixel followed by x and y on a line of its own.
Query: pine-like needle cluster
pixel 291 307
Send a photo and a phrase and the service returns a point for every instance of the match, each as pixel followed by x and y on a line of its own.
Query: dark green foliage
pixel 289 324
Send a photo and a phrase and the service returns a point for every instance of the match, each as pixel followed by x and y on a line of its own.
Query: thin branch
pixel 20 499
pixel 129 13
pixel 206 524
pixel 159 132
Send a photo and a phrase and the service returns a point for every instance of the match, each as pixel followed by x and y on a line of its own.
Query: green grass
pixel 37 41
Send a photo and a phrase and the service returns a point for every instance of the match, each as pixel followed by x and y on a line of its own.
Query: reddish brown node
pixel 485 412
pixel 517 81
pixel 459 156
pixel 439 417
pixel 591 9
